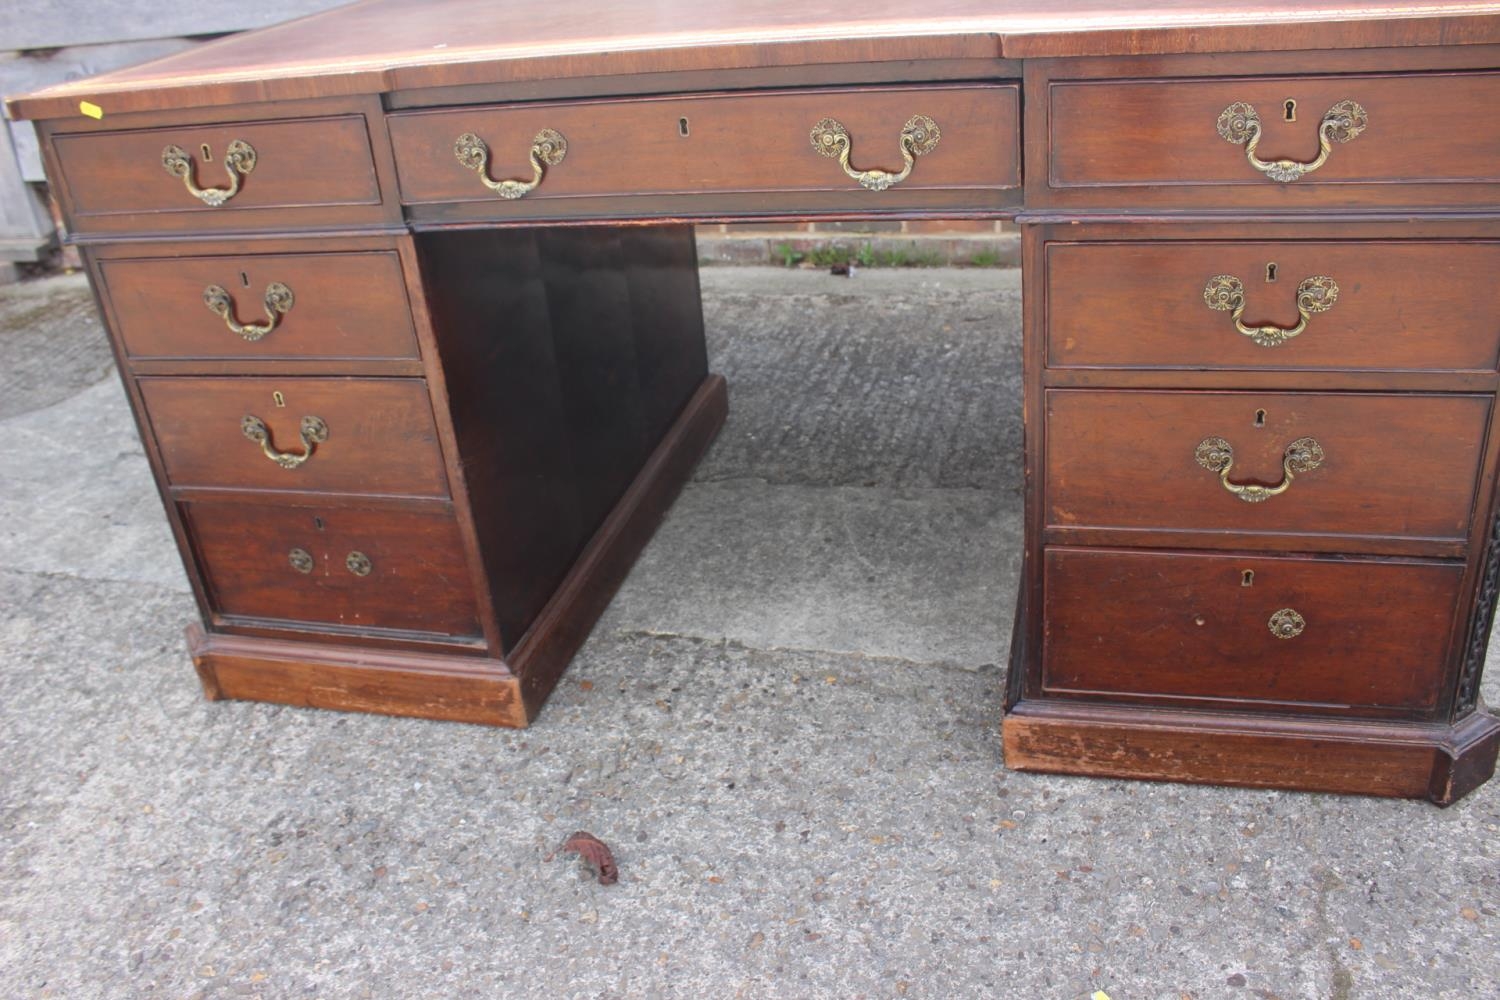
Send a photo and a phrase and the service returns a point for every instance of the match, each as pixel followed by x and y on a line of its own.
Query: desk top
pixel 379 46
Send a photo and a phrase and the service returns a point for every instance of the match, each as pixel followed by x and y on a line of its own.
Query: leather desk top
pixel 383 46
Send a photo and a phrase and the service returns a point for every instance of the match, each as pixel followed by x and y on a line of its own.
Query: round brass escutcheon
pixel 301 560
pixel 1286 624
pixel 358 563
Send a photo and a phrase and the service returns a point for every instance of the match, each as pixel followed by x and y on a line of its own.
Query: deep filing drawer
pixel 1387 304
pixel 373 436
pixel 1335 633
pixel 1411 139
pixel 349 567
pixel 263 306
pixel 760 145
pixel 1351 464
pixel 234 175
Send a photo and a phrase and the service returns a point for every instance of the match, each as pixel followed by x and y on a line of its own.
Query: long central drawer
pixel 757 145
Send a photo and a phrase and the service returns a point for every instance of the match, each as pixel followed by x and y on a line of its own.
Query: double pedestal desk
pixel 405 300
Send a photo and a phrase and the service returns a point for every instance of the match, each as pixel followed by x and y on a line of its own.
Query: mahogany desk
pixel 404 297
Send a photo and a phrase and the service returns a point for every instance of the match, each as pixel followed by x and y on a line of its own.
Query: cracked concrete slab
pixel 797 766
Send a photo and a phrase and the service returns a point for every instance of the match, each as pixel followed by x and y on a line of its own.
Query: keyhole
pixel 278 399
pixel 1290 110
pixel 318 523
pixel 1260 418
pixel 1271 272
pixel 244 280
pixel 682 127
pixel 208 154
pixel 1247 579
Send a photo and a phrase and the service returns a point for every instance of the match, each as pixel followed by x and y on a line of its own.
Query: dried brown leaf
pixel 595 852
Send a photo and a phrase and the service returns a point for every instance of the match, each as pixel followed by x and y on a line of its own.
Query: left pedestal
pixel 407 473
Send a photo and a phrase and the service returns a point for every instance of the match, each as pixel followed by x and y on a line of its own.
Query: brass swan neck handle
pixel 278 301
pixel 312 430
pixel 1240 124
pixel 548 147
pixel 919 136
pixel 239 160
pixel 1226 293
pixel 1216 455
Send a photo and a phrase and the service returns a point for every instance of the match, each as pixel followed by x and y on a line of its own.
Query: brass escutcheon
pixel 1240 124
pixel 919 136
pixel 548 148
pixel 1216 455
pixel 1286 624
pixel 312 430
pixel 1226 293
pixel 278 301
pixel 239 160
pixel 358 563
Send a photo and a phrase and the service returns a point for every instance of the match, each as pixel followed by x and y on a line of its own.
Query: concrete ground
pixel 786 726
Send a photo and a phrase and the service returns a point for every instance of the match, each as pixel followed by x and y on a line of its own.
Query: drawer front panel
pixel 1392 305
pixel 327 305
pixel 754 143
pixel 301 163
pixel 380 437
pixel 1338 633
pixel 1391 466
pixel 336 566
pixel 1161 139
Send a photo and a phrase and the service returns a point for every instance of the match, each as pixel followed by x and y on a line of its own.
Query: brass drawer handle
pixel 301 560
pixel 278 302
pixel 358 563
pixel 313 432
pixel 919 136
pixel 1286 624
pixel 1226 293
pixel 239 160
pixel 1240 124
pixel 1216 455
pixel 547 150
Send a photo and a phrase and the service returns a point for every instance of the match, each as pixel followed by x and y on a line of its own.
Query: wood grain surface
pixel 1394 466
pixel 315 162
pixel 1156 142
pixel 1194 626
pixel 417 581
pixel 381 438
pixel 756 142
pixel 345 305
pixel 1402 305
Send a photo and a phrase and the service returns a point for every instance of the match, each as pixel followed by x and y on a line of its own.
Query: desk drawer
pixel 1333 632
pixel 754 144
pixel 372 436
pixel 356 568
pixel 118 181
pixel 1425 140
pixel 1390 467
pixel 263 306
pixel 1368 305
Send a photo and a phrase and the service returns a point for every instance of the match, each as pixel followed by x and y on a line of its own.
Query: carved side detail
pixel 1479 626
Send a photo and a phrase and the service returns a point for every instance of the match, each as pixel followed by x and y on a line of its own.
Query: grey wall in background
pixel 53 24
